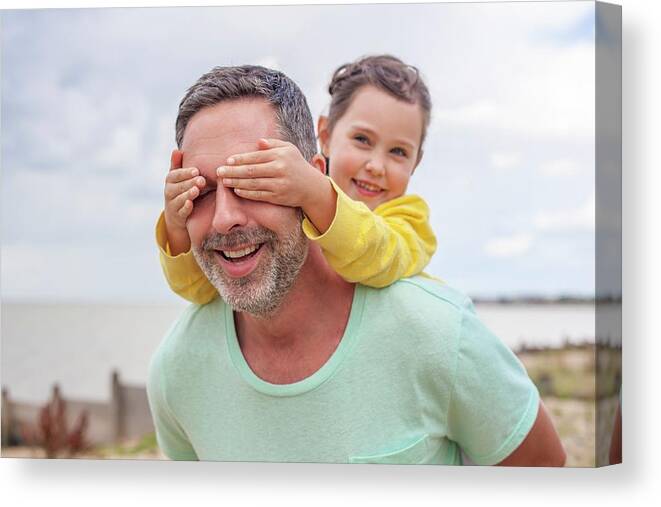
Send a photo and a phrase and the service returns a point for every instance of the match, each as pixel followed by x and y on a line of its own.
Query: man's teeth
pixel 235 254
pixel 367 186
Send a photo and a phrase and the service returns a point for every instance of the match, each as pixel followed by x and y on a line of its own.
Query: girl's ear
pixel 319 162
pixel 322 129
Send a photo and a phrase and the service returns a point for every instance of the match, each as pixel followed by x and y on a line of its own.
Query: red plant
pixel 52 433
pixel 76 440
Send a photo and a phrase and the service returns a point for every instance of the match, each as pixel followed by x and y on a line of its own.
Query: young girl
pixel 369 231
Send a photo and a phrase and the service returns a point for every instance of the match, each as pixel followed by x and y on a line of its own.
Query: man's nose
pixel 229 212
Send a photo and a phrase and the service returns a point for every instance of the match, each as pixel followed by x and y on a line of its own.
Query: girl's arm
pixel 182 273
pixel 373 248
pixel 380 247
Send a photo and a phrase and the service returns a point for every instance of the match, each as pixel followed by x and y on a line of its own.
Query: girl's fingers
pixel 179 201
pixel 266 184
pixel 177 175
pixel 255 195
pixel 252 157
pixel 186 209
pixel 273 143
pixel 260 170
pixel 172 190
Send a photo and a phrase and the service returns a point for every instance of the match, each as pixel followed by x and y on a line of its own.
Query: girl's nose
pixel 376 167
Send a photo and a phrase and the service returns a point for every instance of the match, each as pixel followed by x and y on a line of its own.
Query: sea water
pixel 79 345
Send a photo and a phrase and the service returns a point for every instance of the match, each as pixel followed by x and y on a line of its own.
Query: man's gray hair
pixel 293 117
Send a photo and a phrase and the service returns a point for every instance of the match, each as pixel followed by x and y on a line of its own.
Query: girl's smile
pixel 366 188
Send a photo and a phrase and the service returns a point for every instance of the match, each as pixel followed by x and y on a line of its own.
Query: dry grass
pixel 566 379
pixel 144 448
pixel 574 420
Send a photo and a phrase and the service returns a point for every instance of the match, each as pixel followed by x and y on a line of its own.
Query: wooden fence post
pixel 56 392
pixel 117 407
pixel 6 416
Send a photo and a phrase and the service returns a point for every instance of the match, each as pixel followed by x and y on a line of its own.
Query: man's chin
pixel 259 283
pixel 250 287
pixel 246 295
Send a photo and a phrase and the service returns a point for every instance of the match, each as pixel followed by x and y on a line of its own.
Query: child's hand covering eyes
pixel 277 173
pixel 182 186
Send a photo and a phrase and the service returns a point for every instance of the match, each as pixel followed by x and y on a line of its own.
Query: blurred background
pixel 89 100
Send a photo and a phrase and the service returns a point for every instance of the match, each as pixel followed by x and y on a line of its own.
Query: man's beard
pixel 261 292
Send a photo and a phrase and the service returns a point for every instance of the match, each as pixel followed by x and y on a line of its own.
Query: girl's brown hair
pixel 385 72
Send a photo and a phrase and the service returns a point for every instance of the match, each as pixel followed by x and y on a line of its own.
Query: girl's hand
pixel 182 186
pixel 277 173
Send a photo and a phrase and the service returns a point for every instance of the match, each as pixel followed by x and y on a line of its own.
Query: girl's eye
pixel 399 151
pixel 361 139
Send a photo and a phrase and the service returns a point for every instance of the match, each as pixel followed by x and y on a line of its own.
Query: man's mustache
pixel 239 237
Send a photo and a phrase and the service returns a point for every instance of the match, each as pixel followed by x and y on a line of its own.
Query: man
pixel 292 363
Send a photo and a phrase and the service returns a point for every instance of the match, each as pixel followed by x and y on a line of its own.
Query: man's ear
pixel 323 134
pixel 319 162
pixel 176 159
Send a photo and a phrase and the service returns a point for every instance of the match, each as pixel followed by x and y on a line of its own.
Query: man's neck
pixel 304 331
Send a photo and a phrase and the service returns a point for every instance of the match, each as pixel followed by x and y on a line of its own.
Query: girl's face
pixel 373 148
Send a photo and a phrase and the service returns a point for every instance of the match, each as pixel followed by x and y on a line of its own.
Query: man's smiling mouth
pixel 240 254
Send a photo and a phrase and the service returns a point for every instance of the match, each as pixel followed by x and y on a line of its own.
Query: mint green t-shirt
pixel 416 378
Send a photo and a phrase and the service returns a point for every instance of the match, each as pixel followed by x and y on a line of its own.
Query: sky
pixel 89 100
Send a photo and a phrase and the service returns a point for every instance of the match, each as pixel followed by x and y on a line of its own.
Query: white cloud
pixel 581 218
pixel 28 270
pixel 270 62
pixel 123 144
pixel 52 206
pixel 126 272
pixel 551 95
pixel 505 160
pixel 481 112
pixel 509 246
pixel 560 168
